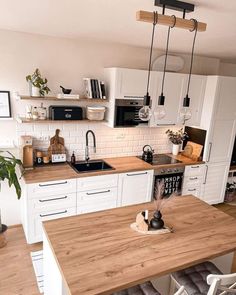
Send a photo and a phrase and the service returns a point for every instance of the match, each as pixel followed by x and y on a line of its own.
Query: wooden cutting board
pixel 192 150
pixel 56 145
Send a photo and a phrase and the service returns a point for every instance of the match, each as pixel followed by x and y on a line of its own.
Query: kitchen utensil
pixel 65 90
pixel 27 153
pixel 56 150
pixel 147 155
pixel 192 150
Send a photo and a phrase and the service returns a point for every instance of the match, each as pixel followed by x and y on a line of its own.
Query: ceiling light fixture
pixel 145 112
pixel 185 112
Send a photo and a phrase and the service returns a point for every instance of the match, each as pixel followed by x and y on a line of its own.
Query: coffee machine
pixel 27 152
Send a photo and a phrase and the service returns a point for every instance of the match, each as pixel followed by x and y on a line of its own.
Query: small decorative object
pixel 46 159
pixel 38 85
pixel 56 150
pixel 142 221
pixel 65 90
pixel 42 112
pixel 39 158
pixel 8 164
pixel 73 158
pixel 29 112
pixel 177 139
pixel 156 222
pixel 5 107
pixel 35 115
pixel 230 193
pixel 147 155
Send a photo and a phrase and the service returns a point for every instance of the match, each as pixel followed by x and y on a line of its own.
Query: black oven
pixel 127 112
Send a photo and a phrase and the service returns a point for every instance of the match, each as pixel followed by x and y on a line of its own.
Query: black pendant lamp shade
pixel 147 100
pixel 161 100
pixel 186 102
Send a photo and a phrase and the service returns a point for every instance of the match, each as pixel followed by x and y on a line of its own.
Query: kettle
pixel 147 155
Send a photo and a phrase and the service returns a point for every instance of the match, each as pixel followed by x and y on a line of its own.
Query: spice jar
pixel 39 157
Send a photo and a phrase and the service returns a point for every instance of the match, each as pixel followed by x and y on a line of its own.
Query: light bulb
pixel 145 113
pixel 185 114
pixel 160 112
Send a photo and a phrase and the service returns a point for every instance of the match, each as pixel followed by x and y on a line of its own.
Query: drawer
pixel 95 207
pixel 195 191
pixel 35 226
pixel 194 170
pixel 193 180
pixel 52 202
pixel 97 182
pixel 97 196
pixel 51 188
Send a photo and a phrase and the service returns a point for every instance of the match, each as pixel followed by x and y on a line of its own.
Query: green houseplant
pixel 8 165
pixel 38 85
pixel 177 138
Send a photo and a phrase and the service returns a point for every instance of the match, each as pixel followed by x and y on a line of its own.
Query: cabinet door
pixel 215 183
pixel 173 88
pixel 135 187
pixel 196 94
pixel 131 83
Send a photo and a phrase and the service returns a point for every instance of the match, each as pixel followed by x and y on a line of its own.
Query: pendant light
pixel 145 112
pixel 160 111
pixel 185 112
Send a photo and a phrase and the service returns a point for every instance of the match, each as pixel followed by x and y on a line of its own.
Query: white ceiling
pixel 114 21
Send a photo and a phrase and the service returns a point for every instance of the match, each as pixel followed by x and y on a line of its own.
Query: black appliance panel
pixel 233 159
pixel 169 184
pixel 195 135
pixel 65 113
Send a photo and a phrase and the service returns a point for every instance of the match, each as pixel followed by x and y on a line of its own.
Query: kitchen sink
pixel 90 166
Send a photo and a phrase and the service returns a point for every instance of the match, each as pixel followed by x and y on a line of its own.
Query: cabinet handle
pixel 102 192
pixel 54 199
pixel 209 154
pixel 192 190
pixel 206 175
pixel 135 174
pixel 194 167
pixel 193 178
pixel 170 124
pixel 51 184
pixel 51 214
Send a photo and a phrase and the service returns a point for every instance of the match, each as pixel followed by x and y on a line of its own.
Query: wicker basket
pixel 95 113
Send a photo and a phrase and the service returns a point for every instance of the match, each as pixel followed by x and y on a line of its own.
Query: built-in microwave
pixel 127 112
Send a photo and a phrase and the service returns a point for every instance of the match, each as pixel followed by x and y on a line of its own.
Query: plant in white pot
pixel 8 166
pixel 38 85
pixel 177 138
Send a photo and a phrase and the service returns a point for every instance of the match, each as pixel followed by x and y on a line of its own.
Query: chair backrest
pixel 180 291
pixel 225 283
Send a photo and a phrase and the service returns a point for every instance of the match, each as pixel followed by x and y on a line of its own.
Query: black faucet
pixel 87 147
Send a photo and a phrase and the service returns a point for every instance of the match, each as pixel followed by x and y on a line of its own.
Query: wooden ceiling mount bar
pixel 166 20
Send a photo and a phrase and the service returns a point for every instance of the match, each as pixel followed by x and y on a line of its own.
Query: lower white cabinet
pixel 135 187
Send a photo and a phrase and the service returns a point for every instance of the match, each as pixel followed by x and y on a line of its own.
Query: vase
pixel 34 91
pixel 175 149
pixel 157 222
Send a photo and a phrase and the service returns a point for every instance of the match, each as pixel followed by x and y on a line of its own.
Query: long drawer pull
pixel 51 184
pixel 194 167
pixel 192 190
pixel 54 199
pixel 102 192
pixel 135 174
pixel 170 124
pixel 193 178
pixel 51 214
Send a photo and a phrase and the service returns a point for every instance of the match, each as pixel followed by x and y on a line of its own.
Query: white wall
pixel 227 69
pixel 66 62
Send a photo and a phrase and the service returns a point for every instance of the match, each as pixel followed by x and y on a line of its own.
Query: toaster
pixel 65 113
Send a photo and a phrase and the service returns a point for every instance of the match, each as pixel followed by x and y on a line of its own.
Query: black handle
pixel 193 178
pixel 194 167
pixel 51 214
pixel 54 199
pixel 51 184
pixel 102 192
pixel 135 174
pixel 192 190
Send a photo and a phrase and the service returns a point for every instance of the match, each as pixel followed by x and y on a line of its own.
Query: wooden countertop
pixel 120 165
pixel 98 253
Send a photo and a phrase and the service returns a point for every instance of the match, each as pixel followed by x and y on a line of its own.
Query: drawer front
pixel 193 180
pixel 35 229
pixel 195 191
pixel 51 188
pixel 95 207
pixel 52 202
pixel 97 196
pixel 97 182
pixel 194 170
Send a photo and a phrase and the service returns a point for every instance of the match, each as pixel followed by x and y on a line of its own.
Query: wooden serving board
pixel 192 150
pixel 165 230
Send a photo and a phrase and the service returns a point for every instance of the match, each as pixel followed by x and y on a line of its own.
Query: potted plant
pixel 38 85
pixel 230 191
pixel 177 138
pixel 8 165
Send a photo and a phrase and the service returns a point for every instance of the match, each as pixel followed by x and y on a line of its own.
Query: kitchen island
pixel 98 253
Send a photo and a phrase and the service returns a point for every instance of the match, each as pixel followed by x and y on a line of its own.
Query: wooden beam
pixel 166 20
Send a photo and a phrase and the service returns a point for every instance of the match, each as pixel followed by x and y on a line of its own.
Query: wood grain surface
pixel 98 253
pixel 120 165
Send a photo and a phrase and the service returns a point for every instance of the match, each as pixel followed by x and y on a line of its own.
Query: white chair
pixel 196 280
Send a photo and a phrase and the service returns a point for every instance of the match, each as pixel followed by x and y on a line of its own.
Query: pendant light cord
pixel 166 54
pixel 192 53
pixel 155 20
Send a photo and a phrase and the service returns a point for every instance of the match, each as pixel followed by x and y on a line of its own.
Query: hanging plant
pixel 37 81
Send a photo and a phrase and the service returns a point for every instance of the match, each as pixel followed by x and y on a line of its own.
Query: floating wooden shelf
pixel 54 98
pixel 24 120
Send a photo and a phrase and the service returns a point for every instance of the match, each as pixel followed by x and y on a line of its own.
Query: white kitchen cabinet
pixel 196 94
pixel 135 187
pixel 173 89
pixel 215 180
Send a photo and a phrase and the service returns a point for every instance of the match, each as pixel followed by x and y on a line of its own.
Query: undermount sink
pixel 90 166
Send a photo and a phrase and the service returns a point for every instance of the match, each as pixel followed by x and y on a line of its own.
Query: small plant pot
pixel 34 91
pixel 175 149
pixel 3 238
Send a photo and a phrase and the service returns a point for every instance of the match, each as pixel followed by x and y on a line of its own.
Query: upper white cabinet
pixel 196 94
pixel 135 187
pixel 173 89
